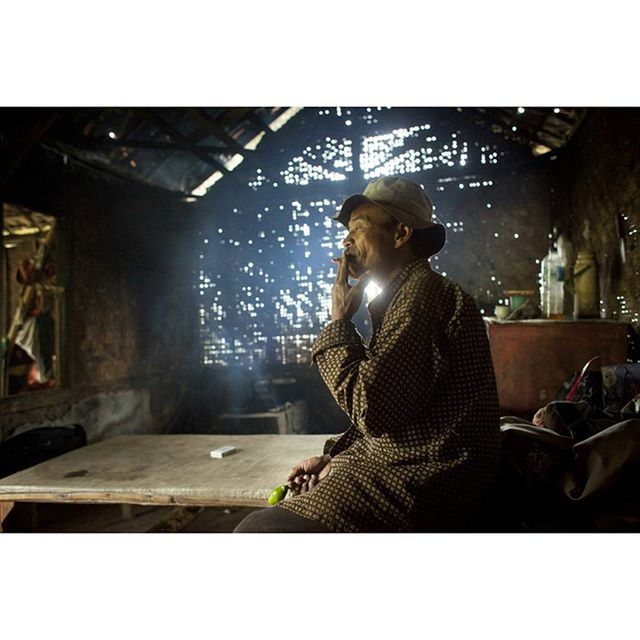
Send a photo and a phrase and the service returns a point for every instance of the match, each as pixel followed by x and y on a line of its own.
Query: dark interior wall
pixel 132 309
pixel 486 264
pixel 131 313
pixel 130 300
pixel 597 177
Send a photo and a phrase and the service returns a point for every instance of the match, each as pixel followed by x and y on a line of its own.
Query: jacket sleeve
pixel 388 385
pixel 328 445
pixel 338 443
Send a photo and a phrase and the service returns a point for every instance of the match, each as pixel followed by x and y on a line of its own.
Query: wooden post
pixel 5 509
pixel 127 512
pixel 33 513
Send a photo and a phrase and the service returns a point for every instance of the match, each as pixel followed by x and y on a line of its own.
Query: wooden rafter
pixel 233 145
pixel 91 143
pixel 170 130
pixel 259 123
pixel 218 131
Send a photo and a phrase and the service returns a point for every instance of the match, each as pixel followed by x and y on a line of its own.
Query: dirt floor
pixel 66 518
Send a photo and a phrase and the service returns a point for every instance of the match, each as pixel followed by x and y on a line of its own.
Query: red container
pixel 532 358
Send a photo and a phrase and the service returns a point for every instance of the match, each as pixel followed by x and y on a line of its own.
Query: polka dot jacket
pixel 423 444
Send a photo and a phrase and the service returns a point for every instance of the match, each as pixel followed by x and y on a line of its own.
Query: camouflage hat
pixel 402 199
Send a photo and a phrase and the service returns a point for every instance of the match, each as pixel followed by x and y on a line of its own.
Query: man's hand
pixel 306 475
pixel 346 299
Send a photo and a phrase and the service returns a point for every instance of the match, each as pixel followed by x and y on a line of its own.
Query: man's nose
pixel 347 242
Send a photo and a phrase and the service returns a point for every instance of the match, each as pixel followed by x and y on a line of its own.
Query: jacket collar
pixel 379 304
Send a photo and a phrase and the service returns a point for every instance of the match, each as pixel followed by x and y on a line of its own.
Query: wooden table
pixel 163 470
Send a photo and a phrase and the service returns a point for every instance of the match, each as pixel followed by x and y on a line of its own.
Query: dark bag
pixel 37 445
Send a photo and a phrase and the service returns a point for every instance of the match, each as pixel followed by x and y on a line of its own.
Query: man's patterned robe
pixel 423 444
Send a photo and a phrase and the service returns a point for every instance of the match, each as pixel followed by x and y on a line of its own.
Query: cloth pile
pixel 573 449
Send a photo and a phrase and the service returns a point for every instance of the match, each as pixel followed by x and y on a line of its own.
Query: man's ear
pixel 402 234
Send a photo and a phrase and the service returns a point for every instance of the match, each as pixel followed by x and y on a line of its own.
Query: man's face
pixel 369 244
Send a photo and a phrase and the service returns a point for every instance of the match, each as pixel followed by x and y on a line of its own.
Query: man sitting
pixel 423 444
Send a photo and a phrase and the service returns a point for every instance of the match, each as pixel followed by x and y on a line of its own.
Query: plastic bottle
pixel 552 284
pixel 567 251
pixel 586 298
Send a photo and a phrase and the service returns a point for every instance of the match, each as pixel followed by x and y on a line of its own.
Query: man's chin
pixel 356 270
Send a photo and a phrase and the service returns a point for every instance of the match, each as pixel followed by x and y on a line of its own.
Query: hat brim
pixel 350 205
pixel 439 238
